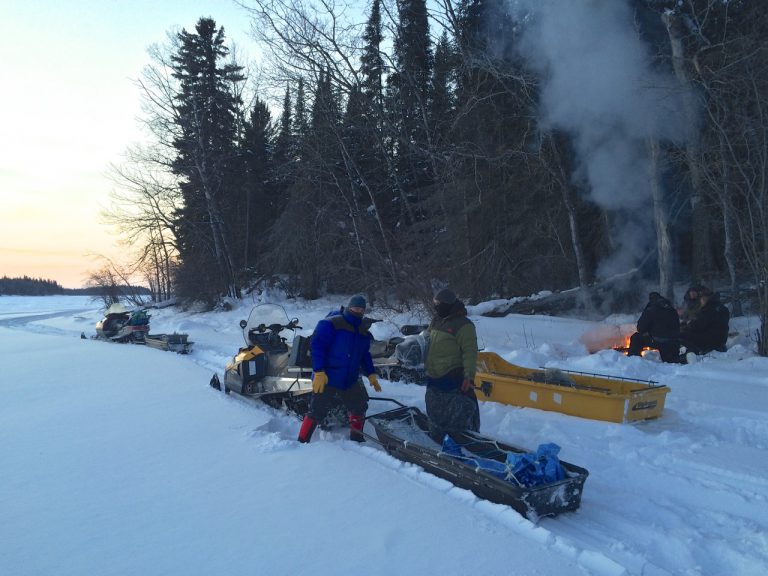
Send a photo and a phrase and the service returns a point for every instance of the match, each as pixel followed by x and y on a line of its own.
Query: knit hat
pixel 357 301
pixel 653 296
pixel 445 296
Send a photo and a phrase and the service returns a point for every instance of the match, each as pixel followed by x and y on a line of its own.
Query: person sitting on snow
pixel 340 350
pixel 708 331
pixel 659 328
pixel 691 305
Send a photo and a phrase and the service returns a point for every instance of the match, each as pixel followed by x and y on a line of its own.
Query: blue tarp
pixel 526 468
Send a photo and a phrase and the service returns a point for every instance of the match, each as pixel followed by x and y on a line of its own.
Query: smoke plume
pixel 599 86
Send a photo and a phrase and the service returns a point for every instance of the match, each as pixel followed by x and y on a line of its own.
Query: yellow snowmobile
pixel 268 366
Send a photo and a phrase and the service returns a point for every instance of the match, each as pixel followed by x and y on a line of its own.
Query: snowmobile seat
pixel 301 352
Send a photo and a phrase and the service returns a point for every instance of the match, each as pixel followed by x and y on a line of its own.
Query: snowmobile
pixel 402 358
pixel 122 325
pixel 268 367
pixel 271 370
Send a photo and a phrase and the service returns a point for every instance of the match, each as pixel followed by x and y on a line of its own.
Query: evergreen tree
pixel 409 95
pixel 365 128
pixel 261 204
pixel 300 122
pixel 498 179
pixel 442 104
pixel 372 62
pixel 206 150
pixel 284 139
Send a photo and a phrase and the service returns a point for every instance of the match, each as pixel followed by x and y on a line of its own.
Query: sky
pixel 124 461
pixel 69 109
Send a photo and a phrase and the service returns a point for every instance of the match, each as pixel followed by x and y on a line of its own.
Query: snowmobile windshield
pixel 412 351
pixel 265 315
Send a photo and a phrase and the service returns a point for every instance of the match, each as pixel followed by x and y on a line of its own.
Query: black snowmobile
pixel 122 325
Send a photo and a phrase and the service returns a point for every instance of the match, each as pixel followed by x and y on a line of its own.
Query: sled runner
pixel 404 433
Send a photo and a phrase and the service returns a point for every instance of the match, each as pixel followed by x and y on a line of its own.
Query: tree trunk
pixel 661 220
pixel 729 228
pixel 762 341
pixel 702 264
pixel 578 249
pixel 219 239
pixel 221 250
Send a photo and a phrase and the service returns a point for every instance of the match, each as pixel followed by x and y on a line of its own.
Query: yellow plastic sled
pixel 593 396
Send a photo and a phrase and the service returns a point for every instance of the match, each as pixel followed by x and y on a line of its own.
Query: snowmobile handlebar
pixel 277 328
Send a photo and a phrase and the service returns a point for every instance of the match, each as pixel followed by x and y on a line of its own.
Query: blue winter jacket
pixel 341 348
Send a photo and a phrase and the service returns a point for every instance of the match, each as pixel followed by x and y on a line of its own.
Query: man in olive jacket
pixel 450 366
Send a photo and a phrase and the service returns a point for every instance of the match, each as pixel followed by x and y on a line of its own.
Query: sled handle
pixel 400 404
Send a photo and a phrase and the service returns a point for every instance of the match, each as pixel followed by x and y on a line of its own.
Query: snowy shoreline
pixel 119 459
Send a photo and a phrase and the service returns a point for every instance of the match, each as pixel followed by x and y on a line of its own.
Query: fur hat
pixel 357 301
pixel 445 296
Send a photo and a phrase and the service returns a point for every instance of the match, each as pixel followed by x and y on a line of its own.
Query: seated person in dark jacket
pixel 658 327
pixel 709 329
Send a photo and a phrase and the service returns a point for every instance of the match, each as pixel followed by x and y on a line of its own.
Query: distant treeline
pixel 26 286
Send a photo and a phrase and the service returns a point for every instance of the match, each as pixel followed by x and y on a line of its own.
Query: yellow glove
pixel 318 382
pixel 374 381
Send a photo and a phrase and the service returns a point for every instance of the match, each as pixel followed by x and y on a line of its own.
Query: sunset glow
pixel 69 109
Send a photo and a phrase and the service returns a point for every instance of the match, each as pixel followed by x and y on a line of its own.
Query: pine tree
pixel 409 95
pixel 300 122
pixel 208 112
pixel 293 235
pixel 442 104
pixel 284 139
pixel 372 62
pixel 261 204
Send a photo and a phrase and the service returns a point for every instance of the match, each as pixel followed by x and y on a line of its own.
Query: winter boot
pixel 308 426
pixel 356 423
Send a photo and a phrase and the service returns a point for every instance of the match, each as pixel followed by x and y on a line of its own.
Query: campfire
pixel 624 347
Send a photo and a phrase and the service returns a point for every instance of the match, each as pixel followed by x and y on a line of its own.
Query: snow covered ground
pixel 121 460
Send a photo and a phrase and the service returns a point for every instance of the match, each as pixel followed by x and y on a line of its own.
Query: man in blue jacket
pixel 340 350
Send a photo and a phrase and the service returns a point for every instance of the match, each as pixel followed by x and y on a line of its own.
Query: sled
pixel 404 434
pixel 593 396
pixel 178 343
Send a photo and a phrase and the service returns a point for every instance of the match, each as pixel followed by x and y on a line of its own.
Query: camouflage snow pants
pixel 451 410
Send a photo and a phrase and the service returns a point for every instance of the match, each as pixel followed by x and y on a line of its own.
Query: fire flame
pixel 624 347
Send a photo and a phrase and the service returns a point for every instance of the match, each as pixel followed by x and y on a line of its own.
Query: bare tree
pixel 142 209
pixel 114 284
